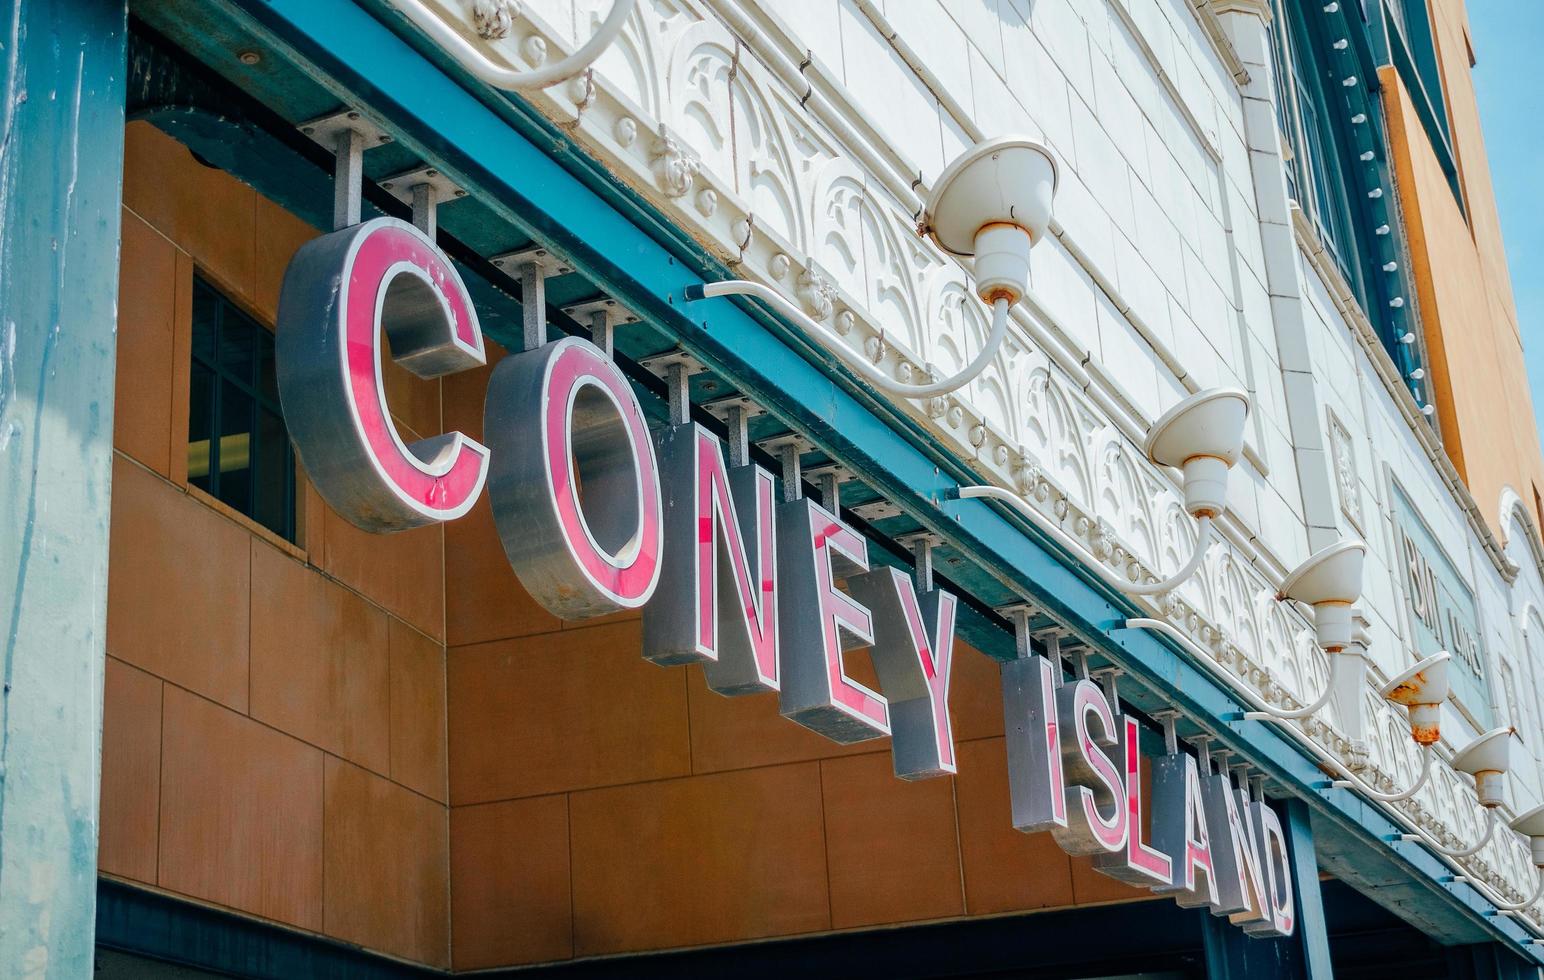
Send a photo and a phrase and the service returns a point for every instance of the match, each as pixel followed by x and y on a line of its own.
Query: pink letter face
pixel 574 483
pixel 1180 829
pixel 818 621
pixel 1271 845
pixel 717 596
pixel 340 292
pixel 1140 863
pixel 913 654
pixel 1035 781
pixel 1096 800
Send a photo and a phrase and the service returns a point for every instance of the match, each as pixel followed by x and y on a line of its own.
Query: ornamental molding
pixel 738 161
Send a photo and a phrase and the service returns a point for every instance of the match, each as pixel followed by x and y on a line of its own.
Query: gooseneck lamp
pixel 1487 759
pixel 991 204
pixel 1202 436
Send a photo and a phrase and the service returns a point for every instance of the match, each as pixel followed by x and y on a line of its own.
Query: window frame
pixel 226 306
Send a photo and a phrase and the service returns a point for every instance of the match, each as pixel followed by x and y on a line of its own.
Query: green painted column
pixel 62 69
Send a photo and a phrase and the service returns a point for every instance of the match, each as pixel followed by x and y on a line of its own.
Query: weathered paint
pixel 61 167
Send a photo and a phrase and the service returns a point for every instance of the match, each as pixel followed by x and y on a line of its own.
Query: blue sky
pixel 1507 36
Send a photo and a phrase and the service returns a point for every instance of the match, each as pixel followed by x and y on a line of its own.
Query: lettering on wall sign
pixel 1139 862
pixel 575 485
pixel 339 292
pixel 913 654
pixel 1074 769
pixel 597 514
pixel 717 596
pixel 1443 613
pixel 819 621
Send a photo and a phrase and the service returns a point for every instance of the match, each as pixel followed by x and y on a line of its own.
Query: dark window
pixel 238 449
pixel 1334 143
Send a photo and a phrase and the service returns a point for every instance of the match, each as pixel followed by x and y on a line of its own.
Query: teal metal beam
pixel 542 184
pixel 61 172
pixel 1312 931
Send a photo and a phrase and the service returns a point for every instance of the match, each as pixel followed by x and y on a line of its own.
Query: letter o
pixel 574 482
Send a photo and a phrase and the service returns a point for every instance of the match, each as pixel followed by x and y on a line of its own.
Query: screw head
pixel 249 57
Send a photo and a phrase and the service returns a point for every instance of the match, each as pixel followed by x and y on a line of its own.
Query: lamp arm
pixel 854 360
pixel 1269 713
pixel 1361 785
pixel 1538 890
pixel 1490 831
pixel 1067 541
pixel 475 61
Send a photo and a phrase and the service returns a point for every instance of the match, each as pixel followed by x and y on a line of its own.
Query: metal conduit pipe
pixel 1068 542
pixel 1427 754
pixel 1538 890
pixel 854 360
pixel 470 57
pixel 1463 852
pixel 1323 756
pixel 1296 714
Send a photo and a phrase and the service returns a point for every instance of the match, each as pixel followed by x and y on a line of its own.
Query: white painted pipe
pixel 1463 852
pixel 1269 713
pixel 856 361
pixel 1538 890
pixel 1067 541
pixel 1427 752
pixel 474 60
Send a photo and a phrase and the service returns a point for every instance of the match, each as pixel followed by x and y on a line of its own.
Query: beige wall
pixel 1478 377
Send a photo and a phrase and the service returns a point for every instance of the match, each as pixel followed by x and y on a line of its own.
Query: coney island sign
pixel 597 514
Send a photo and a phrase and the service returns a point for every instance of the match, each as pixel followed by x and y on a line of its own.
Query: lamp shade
pixel 1422 689
pixel 1208 423
pixel 1486 759
pixel 1530 823
pixel 1332 574
pixel 1009 180
pixel 1424 683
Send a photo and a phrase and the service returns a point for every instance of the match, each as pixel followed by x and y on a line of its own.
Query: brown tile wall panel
pixel 483 598
pixel 414 401
pixel 1005 870
pixel 745 731
pixel 320 666
pixel 387 856
pixel 147 299
pixel 510 883
pixel 975 694
pixel 241 813
pixel 890 843
pixel 205 211
pixel 418 756
pixel 404 572
pixel 561 711
pixel 705 859
pixel 177 587
pixel 131 772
